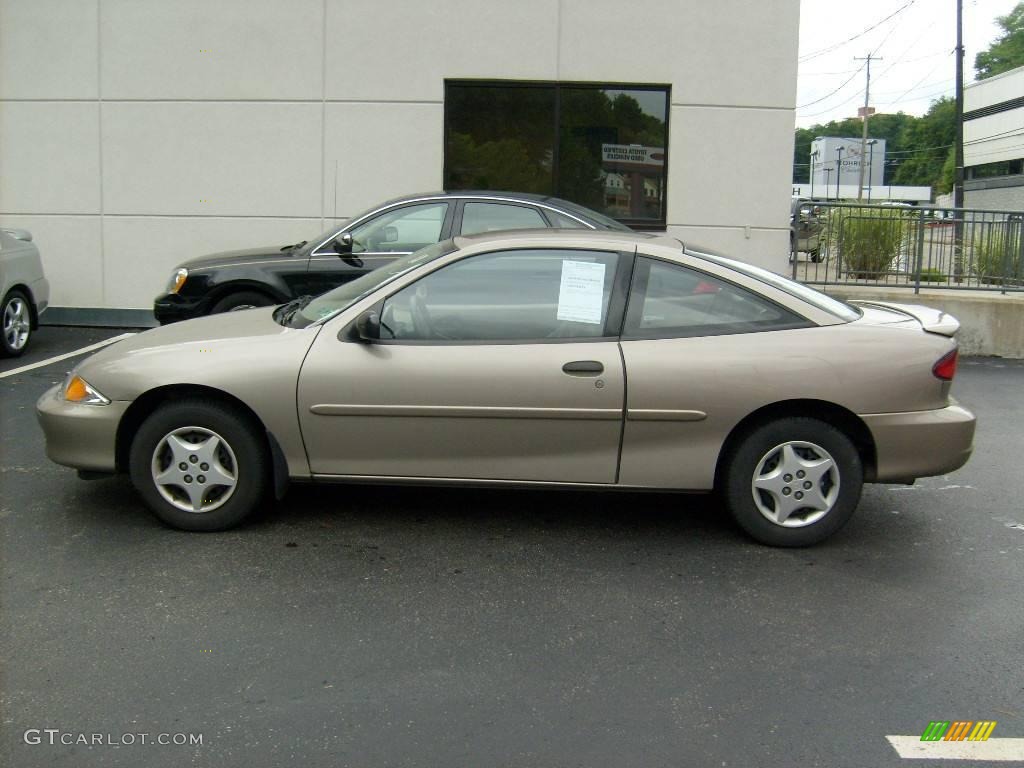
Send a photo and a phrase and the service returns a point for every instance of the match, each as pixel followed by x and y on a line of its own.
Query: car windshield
pixel 347 294
pixel 838 308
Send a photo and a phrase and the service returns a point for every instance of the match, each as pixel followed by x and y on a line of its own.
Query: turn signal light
pixel 78 390
pixel 945 368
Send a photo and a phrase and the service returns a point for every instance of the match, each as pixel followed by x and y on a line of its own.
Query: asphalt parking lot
pixel 360 626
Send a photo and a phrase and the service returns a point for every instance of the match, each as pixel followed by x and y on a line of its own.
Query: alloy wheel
pixel 194 469
pixel 795 484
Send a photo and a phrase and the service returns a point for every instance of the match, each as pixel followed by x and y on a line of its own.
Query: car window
pixel 491 217
pixel 561 221
pixel 401 230
pixel 520 295
pixel 670 300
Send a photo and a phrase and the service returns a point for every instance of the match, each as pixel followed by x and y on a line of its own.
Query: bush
pixel 933 275
pixel 867 240
pixel 997 255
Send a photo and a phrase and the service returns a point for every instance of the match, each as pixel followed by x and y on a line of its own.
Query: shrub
pixel 997 255
pixel 933 275
pixel 867 240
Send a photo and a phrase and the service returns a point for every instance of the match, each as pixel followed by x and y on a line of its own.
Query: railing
pixel 908 247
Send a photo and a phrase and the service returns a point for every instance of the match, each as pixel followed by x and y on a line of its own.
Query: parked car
pixel 263 276
pixel 503 360
pixel 805 228
pixel 25 290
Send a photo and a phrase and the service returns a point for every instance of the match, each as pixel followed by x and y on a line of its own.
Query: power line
pixel 829 49
pixel 829 95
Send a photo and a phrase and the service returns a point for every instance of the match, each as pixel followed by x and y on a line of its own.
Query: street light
pixel 826 171
pixel 839 169
pixel 814 163
pixel 871 164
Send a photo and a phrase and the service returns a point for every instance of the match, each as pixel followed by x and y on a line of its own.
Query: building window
pixel 602 146
pixel 991 170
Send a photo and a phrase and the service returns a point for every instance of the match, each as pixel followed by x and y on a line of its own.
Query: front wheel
pixel 17 319
pixel 200 466
pixel 234 302
pixel 793 482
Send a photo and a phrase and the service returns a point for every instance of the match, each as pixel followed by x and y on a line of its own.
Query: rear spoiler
pixel 931 320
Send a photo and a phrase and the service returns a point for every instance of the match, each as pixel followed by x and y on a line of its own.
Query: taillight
pixel 945 368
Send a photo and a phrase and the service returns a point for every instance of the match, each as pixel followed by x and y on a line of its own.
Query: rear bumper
pixel 80 436
pixel 921 443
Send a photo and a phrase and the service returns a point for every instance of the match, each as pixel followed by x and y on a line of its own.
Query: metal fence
pixel 908 247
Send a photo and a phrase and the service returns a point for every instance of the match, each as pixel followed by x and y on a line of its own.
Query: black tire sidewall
pixel 232 300
pixel 751 448
pixel 7 351
pixel 232 425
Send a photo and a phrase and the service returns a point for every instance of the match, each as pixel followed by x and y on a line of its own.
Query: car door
pixel 477 216
pixel 701 352
pixel 378 240
pixel 499 366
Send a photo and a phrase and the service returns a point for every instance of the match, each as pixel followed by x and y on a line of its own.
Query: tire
pixel 241 300
pixel 16 314
pixel 766 510
pixel 182 433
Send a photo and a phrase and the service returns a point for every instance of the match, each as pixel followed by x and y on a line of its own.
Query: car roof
pixel 526 197
pixel 566 238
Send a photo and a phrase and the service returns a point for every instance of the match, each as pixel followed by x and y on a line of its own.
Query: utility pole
pixel 864 132
pixel 958 179
pixel 958 149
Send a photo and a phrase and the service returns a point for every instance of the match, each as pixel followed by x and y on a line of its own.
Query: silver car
pixel 25 290
pixel 572 359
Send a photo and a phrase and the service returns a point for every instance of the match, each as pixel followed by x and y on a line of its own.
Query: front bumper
pixel 172 307
pixel 921 443
pixel 80 436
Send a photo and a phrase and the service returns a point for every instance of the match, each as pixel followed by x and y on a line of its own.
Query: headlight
pixel 177 280
pixel 78 390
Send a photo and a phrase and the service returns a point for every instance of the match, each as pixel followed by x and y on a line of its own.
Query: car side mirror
pixel 366 328
pixel 343 243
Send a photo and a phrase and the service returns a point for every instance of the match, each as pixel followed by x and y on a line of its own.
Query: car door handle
pixel 585 367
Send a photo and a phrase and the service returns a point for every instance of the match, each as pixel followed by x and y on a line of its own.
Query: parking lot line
pixel 66 355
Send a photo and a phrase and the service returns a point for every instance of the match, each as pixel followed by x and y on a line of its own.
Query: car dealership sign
pixel 632 153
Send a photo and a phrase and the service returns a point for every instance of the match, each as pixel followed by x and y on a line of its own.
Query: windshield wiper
pixel 294 247
pixel 285 312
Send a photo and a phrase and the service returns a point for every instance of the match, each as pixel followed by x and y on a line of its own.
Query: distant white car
pixel 25 290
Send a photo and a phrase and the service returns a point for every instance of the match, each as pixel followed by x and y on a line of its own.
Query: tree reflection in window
pixel 610 154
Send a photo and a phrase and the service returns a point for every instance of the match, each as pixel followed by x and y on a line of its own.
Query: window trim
pixel 640 225
pixel 634 307
pixel 614 320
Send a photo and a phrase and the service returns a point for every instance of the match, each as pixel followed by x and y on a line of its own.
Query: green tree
pixel 1007 52
pixel 928 142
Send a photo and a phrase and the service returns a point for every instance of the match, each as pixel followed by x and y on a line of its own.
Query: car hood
pixel 217 351
pixel 226 258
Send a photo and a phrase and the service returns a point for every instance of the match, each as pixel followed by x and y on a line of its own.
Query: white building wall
pixel 135 134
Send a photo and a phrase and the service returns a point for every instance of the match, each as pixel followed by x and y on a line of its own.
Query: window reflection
pixel 600 146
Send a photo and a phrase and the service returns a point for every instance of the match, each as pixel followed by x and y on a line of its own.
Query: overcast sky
pixel 915 46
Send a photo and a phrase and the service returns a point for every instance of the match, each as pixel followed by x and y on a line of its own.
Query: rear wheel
pixel 17 323
pixel 793 482
pixel 241 300
pixel 200 466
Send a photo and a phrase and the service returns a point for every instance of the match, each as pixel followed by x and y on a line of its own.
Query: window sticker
pixel 581 292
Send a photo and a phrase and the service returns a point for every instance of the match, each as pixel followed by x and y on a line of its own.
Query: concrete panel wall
pixel 135 134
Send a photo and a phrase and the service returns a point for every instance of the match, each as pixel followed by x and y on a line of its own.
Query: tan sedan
pixel 589 360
